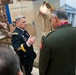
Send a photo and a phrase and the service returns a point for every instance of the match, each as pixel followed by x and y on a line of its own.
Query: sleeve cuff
pixel 28 44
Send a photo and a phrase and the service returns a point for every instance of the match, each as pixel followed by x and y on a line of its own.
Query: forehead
pixel 22 19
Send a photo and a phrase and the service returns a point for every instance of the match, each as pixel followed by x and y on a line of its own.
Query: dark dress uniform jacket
pixel 58 52
pixel 19 38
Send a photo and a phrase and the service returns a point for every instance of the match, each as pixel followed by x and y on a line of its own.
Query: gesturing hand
pixel 31 40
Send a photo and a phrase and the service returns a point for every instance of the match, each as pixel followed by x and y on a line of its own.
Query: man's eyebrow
pixel 23 21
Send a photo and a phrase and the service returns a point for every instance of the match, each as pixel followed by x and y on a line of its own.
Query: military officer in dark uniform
pixel 58 49
pixel 22 43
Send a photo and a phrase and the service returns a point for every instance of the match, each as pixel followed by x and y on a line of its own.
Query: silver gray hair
pixel 60 13
pixel 19 17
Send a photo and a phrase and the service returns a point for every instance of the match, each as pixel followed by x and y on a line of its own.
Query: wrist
pixel 28 44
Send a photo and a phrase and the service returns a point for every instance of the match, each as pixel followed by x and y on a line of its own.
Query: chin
pixel 54 27
pixel 24 28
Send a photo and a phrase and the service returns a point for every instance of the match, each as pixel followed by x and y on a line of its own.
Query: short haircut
pixel 9 62
pixel 60 13
pixel 19 17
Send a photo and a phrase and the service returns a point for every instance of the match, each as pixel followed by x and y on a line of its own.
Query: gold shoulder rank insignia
pixel 15 33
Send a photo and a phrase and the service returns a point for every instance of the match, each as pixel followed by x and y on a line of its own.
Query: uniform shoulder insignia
pixel 14 33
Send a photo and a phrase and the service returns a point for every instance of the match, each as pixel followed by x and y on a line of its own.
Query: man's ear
pixel 56 19
pixel 20 73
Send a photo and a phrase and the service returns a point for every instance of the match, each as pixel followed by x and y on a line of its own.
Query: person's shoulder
pixel 46 35
pixel 50 33
pixel 15 32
